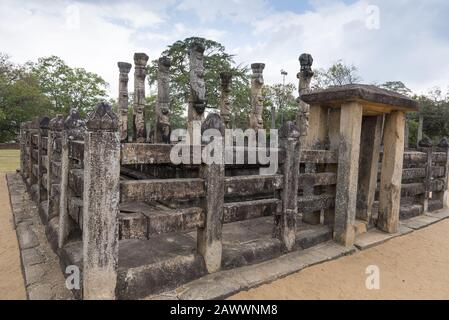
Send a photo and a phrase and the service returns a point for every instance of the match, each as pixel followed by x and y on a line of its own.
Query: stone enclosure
pixel 138 225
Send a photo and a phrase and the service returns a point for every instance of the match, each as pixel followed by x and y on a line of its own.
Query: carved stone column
pixel 209 238
pixel 55 126
pixel 305 77
pixel 124 69
pixel 140 72
pixel 162 128
pixel 41 167
pixel 225 103
pixel 255 119
pixel 197 101
pixel 285 223
pixel 101 204
pixel 74 128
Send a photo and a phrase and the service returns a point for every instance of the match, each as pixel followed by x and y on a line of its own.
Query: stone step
pixel 140 220
pixel 166 261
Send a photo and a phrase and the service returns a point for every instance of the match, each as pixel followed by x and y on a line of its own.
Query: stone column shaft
pixel 101 204
pixel 162 127
pixel 257 82
pixel 391 176
pixel 123 102
pixel 368 165
pixel 225 103
pixel 348 164
pixel 56 126
pixel 209 238
pixel 140 73
pixel 197 100
pixel 285 224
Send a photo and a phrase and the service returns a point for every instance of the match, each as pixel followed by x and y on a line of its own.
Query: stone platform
pixel 167 267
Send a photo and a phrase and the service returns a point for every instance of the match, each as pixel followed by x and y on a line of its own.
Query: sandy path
pixel 12 285
pixel 11 280
pixel 415 266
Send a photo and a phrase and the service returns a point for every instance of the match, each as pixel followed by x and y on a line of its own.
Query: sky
pixel 387 40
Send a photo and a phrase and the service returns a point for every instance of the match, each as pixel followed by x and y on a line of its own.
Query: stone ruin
pixel 138 225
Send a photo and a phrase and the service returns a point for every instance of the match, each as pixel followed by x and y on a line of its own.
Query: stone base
pixel 167 261
pixel 375 237
pixel 226 283
pixel 43 277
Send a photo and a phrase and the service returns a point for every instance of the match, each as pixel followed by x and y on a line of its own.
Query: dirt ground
pixel 415 266
pixel 12 285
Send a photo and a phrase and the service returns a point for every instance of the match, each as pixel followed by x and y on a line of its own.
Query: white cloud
pixel 235 10
pixel 410 45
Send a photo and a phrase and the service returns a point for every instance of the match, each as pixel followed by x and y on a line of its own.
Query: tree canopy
pixel 46 87
pixel 68 87
pixel 216 60
pixel 336 75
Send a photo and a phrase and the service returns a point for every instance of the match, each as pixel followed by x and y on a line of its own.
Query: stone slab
pixel 375 237
pixel 43 277
pixel 420 222
pixel 226 283
pixel 26 236
pixel 440 214
pixel 32 256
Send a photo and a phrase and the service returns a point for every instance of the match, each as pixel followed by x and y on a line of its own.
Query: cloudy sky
pixel 404 40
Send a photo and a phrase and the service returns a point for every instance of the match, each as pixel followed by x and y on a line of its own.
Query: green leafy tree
pixel 336 75
pixel 68 87
pixel 216 60
pixel 21 98
pixel 397 86
pixel 282 98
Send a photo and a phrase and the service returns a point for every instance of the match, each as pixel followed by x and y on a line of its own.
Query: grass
pixel 9 160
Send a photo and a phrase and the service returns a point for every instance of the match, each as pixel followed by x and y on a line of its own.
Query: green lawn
pixel 9 160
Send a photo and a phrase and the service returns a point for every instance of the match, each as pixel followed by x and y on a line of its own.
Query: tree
pixel 21 98
pixel 336 75
pixel 216 60
pixel 397 86
pixel 283 100
pixel 68 87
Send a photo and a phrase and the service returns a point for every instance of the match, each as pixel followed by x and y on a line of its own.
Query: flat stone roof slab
pixel 360 92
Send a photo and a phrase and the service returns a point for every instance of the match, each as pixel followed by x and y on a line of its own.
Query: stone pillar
pixel 406 134
pixel 391 176
pixel 210 236
pixel 285 224
pixel 123 102
pixel 22 149
pixel 420 129
pixel 334 143
pixel 41 167
pixel 55 127
pixel 444 196
pixel 305 77
pixel 140 72
pixel 225 103
pixel 74 128
pixel 34 130
pixel 101 204
pixel 425 145
pixel 27 159
pixel 348 165
pixel 368 165
pixel 197 100
pixel 162 127
pixel 257 82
